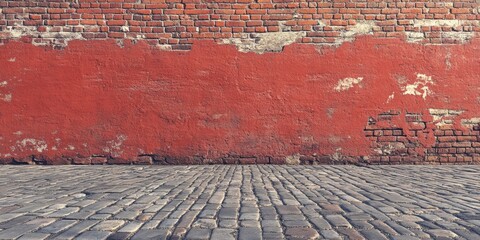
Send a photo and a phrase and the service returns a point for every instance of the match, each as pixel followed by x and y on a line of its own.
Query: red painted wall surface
pixel 216 104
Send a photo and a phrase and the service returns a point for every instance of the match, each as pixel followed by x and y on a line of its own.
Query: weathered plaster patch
pixel 347 83
pixel 459 36
pixel 334 139
pixel 307 139
pixel 444 112
pixel 337 156
pixel 32 143
pixel 114 146
pixel 444 23
pixel 437 22
pixel 330 112
pixel 18 133
pixel 3 84
pixel 57 38
pixel 6 97
pixel 293 159
pixel 12 59
pixel 442 117
pixel 415 37
pixel 471 121
pixel 420 87
pixel 361 28
pixel 389 148
pixel 264 42
pixel 391 97
pixel 447 60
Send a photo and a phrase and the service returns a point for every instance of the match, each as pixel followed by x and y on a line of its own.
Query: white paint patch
pixel 70 147
pixel 32 143
pixel 420 87
pixel 390 98
pixel 347 83
pixel 18 133
pixel 6 97
pixel 218 116
pixel 12 59
pixel 114 146
pixel 3 84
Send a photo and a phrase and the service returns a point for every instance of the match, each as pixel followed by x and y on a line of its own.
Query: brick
pixel 447 139
pixel 387 139
pixel 466 138
pixel 116 22
pixel 247 160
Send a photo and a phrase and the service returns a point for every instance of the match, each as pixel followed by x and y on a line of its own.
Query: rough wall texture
pixel 261 81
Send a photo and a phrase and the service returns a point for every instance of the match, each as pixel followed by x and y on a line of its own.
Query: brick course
pixel 175 24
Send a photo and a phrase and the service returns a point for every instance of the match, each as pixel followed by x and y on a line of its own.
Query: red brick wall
pixel 262 81
pixel 176 24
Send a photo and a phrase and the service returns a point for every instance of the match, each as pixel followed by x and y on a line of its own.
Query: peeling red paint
pixel 97 98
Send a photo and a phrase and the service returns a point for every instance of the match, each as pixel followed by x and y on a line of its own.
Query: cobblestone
pixel 239 202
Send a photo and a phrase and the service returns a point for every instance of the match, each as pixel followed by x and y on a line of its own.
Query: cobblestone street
pixel 240 202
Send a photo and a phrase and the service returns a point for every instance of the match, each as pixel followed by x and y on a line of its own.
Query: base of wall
pixel 243 160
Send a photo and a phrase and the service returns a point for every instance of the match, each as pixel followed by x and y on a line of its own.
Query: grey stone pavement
pixel 240 202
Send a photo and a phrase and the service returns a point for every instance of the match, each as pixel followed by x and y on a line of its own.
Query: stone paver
pixel 240 202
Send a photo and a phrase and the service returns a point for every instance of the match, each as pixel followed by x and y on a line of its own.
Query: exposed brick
pixel 144 160
pixel 394 20
pixel 82 160
pixel 247 160
pixel 447 139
